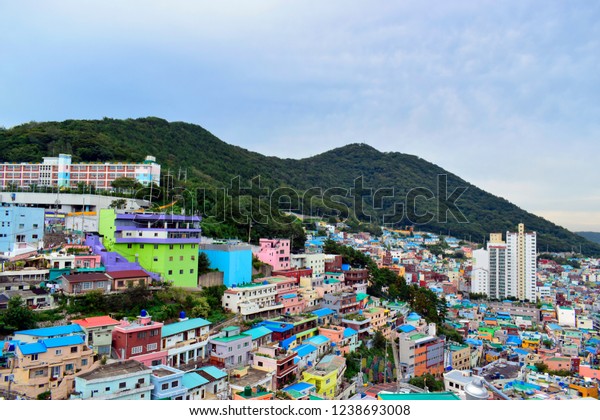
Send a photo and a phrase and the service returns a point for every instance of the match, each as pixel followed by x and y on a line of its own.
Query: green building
pixel 162 243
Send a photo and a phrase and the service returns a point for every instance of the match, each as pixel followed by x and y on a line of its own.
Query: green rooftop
pixel 232 338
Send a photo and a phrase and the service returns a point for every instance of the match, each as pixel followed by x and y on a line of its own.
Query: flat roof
pixel 110 370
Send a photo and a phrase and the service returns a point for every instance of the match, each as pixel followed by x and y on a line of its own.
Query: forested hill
pixel 211 162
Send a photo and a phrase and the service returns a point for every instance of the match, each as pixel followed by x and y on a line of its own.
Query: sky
pixel 505 94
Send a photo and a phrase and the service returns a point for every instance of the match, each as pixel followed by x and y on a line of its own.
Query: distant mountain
pixel 590 236
pixel 325 183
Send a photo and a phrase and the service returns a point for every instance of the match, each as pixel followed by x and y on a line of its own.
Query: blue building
pixel 124 380
pixel 168 383
pixel 234 260
pixel 20 225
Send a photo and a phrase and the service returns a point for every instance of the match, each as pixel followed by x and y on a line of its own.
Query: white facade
pixel 314 261
pixel 250 300
pixel 566 316
pixel 480 276
pixel 521 264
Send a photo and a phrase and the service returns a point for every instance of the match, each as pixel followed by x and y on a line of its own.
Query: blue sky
pixel 503 94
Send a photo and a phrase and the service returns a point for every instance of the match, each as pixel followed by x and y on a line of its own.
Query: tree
pixel 118 204
pixel 203 264
pixel 379 341
pixel 16 317
pixel 124 183
pixel 427 380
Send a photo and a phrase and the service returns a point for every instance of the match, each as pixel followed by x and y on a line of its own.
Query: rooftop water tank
pixel 144 313
pixel 475 390
pixel 182 315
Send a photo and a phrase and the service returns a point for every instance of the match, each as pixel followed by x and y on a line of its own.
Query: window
pixel 141 334
pixel 151 347
pixel 193 257
pixel 181 258
pixel 136 350
pixel 164 387
pixel 260 363
pixel 155 259
pixel 34 357
pixel 107 388
pixel 74 349
pixel 69 366
pixel 180 271
pixel 182 246
pixel 171 258
pixel 155 245
pixel 175 384
pixel 141 246
pixel 129 246
pixel 153 333
pixel 84 362
pixel 40 372
pixel 58 352
pixel 170 272
pixel 191 271
pixel 171 246
pixel 122 385
pixel 87 285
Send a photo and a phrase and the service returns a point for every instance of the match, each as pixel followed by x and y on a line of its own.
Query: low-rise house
pixel 260 336
pixel 186 340
pixel 168 383
pixel 139 340
pixel 326 375
pixel 279 361
pixel 122 280
pixel 195 386
pixel 343 303
pixel 231 349
pixel 458 356
pixel 47 365
pixel 216 385
pixel 85 282
pixel 252 300
pixel 123 380
pixel 98 332
pixel 306 355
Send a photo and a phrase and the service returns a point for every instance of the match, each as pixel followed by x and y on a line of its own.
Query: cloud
pixel 504 95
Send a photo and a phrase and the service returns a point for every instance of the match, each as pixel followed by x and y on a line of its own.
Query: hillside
pixel 212 163
pixel 590 236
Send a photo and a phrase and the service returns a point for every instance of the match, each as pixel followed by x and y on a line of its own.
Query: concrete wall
pixel 214 278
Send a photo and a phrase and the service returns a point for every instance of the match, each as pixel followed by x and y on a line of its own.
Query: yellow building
pixel 326 375
pixel 48 365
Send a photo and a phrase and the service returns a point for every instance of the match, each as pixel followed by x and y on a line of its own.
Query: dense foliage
pixel 322 186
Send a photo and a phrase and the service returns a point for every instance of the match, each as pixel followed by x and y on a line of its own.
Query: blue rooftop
pixel 413 317
pixel 32 348
pixel 349 332
pixel 288 341
pixel 304 349
pixel 289 296
pixel 513 341
pixel 192 380
pixel 299 387
pixel 213 371
pixel 323 312
pixel 53 331
pixel 554 327
pixel 317 340
pixel 258 332
pixel 277 326
pixel 70 340
pixel 406 328
pixel 181 326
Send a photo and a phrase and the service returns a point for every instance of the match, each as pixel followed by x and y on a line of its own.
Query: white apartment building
pixel 61 172
pixel 314 261
pixel 252 299
pixel 480 275
pixel 521 263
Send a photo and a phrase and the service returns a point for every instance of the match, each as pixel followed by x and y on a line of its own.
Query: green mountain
pixel 590 236
pixel 323 185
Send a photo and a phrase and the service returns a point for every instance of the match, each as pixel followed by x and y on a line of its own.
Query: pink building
pixel 275 252
pixel 292 303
